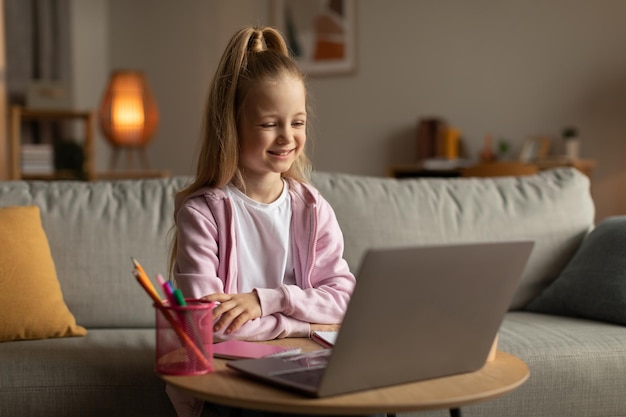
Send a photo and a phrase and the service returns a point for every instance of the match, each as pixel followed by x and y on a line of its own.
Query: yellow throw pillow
pixel 31 302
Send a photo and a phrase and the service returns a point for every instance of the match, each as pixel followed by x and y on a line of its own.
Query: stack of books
pixel 37 159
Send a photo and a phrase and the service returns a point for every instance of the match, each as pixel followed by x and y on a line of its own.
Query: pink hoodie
pixel 206 262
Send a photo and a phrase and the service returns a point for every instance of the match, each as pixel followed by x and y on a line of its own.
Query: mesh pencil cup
pixel 184 338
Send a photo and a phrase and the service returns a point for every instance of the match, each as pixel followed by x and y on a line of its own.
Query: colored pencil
pixel 146 284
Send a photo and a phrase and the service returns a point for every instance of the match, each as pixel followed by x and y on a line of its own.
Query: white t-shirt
pixel 264 257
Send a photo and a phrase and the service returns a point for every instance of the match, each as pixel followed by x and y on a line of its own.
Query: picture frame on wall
pixel 320 34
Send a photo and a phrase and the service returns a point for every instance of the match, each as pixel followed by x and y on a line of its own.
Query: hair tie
pixel 256 43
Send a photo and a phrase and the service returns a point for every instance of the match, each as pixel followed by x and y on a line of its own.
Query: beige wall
pixel 513 69
pixel 90 60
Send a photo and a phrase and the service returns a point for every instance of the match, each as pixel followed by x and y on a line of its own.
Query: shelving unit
pixel 19 115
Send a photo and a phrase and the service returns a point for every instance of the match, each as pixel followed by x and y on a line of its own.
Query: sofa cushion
pixel 577 368
pixel 30 294
pixel 593 284
pixel 553 208
pixel 107 373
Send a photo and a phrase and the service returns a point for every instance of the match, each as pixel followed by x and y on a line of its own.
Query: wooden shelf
pixel 58 175
pixel 130 174
pixel 20 115
pixel 586 166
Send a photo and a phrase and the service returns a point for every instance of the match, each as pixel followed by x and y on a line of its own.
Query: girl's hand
pixel 234 310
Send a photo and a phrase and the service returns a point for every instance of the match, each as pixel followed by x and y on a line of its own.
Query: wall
pixel 173 49
pixel 511 69
pixel 177 47
pixel 90 61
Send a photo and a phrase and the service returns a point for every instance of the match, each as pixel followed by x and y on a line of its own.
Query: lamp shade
pixel 128 112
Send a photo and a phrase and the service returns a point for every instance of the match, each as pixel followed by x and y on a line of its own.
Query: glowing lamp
pixel 128 114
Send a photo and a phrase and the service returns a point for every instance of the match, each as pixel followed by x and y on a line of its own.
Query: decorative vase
pixel 572 143
pixel 487 154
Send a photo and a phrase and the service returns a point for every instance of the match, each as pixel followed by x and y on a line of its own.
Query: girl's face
pixel 272 127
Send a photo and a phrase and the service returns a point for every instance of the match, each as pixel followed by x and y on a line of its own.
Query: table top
pixel 228 387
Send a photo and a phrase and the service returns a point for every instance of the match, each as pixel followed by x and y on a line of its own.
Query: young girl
pixel 251 234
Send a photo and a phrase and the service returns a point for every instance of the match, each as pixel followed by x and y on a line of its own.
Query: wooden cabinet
pixel 20 115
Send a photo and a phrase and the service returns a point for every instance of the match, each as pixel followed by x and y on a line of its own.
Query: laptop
pixel 416 313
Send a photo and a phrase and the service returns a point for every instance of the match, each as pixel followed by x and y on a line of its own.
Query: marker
pixel 167 290
pixel 179 300
pixel 178 296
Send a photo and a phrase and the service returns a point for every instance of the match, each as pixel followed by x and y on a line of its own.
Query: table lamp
pixel 128 115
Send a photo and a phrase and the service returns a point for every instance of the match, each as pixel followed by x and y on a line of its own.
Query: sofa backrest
pixel 94 228
pixel 553 208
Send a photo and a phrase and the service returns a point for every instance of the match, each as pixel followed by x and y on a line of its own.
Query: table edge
pixel 291 402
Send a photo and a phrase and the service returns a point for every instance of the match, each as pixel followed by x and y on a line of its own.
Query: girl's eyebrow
pixel 272 115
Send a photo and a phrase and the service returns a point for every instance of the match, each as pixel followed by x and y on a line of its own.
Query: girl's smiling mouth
pixel 281 153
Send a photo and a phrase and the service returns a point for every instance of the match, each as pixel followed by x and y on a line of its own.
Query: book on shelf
pixel 241 349
pixel 37 159
pixel 446 164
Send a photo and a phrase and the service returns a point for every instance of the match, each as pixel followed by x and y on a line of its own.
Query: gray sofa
pixel 578 366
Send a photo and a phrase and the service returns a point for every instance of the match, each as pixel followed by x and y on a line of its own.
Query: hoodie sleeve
pixel 275 326
pixel 197 253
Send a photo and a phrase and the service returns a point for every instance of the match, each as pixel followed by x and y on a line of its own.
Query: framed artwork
pixel 534 148
pixel 321 34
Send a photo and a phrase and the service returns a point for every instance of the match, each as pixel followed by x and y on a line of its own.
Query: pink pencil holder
pixel 184 338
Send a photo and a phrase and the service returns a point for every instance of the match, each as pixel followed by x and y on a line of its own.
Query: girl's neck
pixel 264 191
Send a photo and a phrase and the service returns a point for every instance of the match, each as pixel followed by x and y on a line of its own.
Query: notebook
pixel 416 313
pixel 241 349
pixel 325 338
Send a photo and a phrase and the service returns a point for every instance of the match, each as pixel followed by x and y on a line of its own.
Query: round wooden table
pixel 228 387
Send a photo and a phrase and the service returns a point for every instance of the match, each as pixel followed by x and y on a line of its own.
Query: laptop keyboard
pixel 308 377
pixel 310 367
pixel 312 359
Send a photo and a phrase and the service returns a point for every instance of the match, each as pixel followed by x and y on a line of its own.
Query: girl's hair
pixel 253 54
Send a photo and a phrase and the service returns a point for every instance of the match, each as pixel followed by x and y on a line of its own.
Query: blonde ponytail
pixel 253 54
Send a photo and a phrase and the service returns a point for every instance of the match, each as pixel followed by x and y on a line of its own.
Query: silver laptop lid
pixel 423 312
